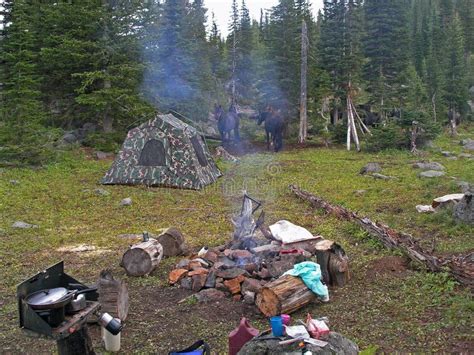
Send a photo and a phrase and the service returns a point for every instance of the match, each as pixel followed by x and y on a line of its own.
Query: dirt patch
pixel 173 326
pixel 388 266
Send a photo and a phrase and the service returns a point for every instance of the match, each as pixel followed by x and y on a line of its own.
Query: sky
pixel 221 9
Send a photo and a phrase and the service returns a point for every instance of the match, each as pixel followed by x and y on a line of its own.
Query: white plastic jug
pixel 112 342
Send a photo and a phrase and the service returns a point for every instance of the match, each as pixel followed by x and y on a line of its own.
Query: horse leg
pixel 236 130
pixel 268 140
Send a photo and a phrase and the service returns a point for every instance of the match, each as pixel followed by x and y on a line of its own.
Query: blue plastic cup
pixel 277 326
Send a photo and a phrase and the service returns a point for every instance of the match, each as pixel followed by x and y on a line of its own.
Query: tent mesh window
pixel 199 151
pixel 153 154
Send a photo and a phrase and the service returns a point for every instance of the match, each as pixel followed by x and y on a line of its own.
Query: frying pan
pixel 53 298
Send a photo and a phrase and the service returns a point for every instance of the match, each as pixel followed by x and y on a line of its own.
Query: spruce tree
pixel 23 136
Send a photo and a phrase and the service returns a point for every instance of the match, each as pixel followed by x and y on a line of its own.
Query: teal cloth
pixel 310 273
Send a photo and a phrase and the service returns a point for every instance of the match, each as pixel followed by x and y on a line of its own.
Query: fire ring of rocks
pixel 252 260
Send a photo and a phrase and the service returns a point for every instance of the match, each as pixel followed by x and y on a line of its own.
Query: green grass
pixel 415 311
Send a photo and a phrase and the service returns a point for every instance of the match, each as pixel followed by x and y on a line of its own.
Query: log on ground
pixel 285 295
pixel 460 267
pixel 142 258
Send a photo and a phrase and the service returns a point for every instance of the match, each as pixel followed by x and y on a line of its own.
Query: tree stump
pixel 78 342
pixel 142 258
pixel 284 295
pixel 173 242
pixel 334 263
pixel 113 295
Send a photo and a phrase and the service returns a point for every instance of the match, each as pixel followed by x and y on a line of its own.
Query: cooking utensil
pixel 77 304
pixel 54 298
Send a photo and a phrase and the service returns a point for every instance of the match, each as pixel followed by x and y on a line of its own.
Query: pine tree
pixel 386 48
pixel 456 93
pixel 23 136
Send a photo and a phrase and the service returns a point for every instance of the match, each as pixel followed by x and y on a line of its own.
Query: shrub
pixel 27 144
pixel 106 142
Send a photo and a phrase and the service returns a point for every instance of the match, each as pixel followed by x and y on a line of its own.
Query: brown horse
pixel 227 122
pixel 274 126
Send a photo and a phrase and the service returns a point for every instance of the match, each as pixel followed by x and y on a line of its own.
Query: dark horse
pixel 274 126
pixel 227 121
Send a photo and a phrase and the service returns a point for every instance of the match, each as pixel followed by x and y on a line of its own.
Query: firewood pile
pixel 250 267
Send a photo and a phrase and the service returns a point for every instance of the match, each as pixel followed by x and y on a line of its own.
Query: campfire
pixel 251 267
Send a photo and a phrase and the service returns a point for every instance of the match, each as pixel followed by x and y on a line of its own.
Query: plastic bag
pixel 287 232
pixel 310 273
pixel 316 328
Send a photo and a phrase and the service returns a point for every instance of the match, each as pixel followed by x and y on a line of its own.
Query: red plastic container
pixel 241 335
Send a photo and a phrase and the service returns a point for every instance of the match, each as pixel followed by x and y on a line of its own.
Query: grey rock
pixel 102 155
pixel 126 202
pixel 465 155
pixel 14 182
pixel 279 267
pixel 210 295
pixel 186 283
pixel 465 186
pixel 23 225
pixel 183 264
pixel 380 176
pixel 211 280
pixel 452 158
pixel 231 273
pixel 360 192
pixel 431 174
pixel 446 153
pixel 251 285
pixel 337 344
pixel 69 138
pixel 101 192
pixel 468 144
pixel 429 166
pixel 464 210
pixel 249 297
pixel 370 168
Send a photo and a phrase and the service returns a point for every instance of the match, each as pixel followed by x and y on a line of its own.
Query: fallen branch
pixel 460 267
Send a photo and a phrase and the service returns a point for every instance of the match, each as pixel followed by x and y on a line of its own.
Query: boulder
pixel 370 168
pixel 14 182
pixel 198 282
pixel 211 280
pixel 468 144
pixel 337 344
pixel 249 297
pixel 431 174
pixel 465 186
pixel 233 285
pixel 251 285
pixel 429 166
pixel 279 267
pixel 69 138
pixel 464 210
pixel 445 153
pixel 465 155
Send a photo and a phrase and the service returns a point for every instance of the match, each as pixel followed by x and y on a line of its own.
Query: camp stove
pixel 54 305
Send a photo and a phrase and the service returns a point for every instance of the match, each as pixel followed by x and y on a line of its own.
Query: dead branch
pixel 460 267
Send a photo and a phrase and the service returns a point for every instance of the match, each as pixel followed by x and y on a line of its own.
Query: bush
pixel 338 133
pixel 390 136
pixel 106 142
pixel 27 144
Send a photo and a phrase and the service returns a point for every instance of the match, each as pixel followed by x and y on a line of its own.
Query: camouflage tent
pixel 164 151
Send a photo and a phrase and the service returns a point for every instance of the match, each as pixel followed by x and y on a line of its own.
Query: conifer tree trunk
pixel 303 92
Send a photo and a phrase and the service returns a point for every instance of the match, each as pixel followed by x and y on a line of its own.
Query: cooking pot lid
pixel 47 296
